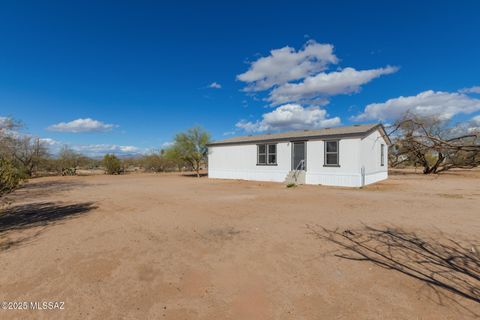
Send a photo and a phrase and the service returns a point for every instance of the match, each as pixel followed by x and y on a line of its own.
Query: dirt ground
pixel 146 246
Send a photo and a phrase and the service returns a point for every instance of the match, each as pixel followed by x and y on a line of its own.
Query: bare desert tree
pixel 67 161
pixel 433 145
pixel 29 152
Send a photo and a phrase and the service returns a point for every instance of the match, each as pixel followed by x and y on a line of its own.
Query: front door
pixel 298 154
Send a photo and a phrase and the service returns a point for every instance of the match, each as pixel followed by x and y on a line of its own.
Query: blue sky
pixel 135 73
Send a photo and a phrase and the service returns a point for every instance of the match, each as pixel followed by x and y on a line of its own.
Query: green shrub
pixel 291 185
pixel 112 164
pixel 10 176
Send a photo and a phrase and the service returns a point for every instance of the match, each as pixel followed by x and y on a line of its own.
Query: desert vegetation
pixel 191 147
pixel 433 144
pixel 23 156
pixel 429 143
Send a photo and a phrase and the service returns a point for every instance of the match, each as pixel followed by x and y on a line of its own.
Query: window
pixel 262 154
pixel 266 154
pixel 331 153
pixel 382 155
pixel 272 154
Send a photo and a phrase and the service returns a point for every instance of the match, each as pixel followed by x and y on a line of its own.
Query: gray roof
pixel 359 130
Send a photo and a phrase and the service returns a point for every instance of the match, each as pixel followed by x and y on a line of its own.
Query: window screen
pixel 261 154
pixel 266 154
pixel 331 153
pixel 272 154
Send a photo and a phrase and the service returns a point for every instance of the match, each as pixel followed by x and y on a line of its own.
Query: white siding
pixel 347 174
pixel 240 162
pixel 371 159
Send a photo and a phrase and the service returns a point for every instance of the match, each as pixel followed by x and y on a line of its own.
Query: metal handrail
pixel 301 165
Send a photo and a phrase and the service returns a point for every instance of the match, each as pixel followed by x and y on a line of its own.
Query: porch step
pixel 295 176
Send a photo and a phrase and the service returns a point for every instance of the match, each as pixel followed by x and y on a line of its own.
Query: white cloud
pixel 475 89
pixel 471 126
pixel 287 64
pixel 49 141
pixel 443 105
pixel 317 88
pixel 9 125
pixel 167 144
pixel 81 125
pixel 474 124
pixel 95 150
pixel 215 85
pixel 290 117
pixel 4 122
pixel 302 77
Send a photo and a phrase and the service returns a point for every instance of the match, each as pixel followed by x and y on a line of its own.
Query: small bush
pixel 69 171
pixel 10 177
pixel 291 185
pixel 112 164
pixel 154 163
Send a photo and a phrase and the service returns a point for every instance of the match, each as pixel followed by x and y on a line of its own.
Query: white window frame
pixel 325 164
pixel 263 154
pixel 273 153
pixel 266 154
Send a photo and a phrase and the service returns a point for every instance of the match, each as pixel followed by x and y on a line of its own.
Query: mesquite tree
pixel 191 147
pixel 433 145
pixel 29 153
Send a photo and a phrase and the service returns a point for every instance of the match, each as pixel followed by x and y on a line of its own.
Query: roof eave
pixel 331 136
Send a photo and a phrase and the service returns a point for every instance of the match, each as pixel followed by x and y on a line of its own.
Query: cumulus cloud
pixel 287 64
pixel 215 85
pixel 82 125
pixel 290 117
pixel 95 150
pixel 471 126
pixel 167 144
pixel 443 105
pixel 302 77
pixel 49 141
pixel 475 89
pixel 317 88
pixel 476 120
pixel 474 124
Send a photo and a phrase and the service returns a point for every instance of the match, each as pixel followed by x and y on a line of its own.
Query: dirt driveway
pixel 146 246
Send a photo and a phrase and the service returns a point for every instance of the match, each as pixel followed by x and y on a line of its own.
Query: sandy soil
pixel 146 246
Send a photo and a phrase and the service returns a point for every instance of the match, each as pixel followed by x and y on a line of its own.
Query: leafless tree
pixel 433 145
pixel 29 152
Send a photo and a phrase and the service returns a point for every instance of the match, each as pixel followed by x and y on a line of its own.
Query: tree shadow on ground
pixel 40 214
pixel 194 175
pixel 33 189
pixel 442 264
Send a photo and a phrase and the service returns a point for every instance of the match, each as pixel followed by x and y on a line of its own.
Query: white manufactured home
pixel 351 156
